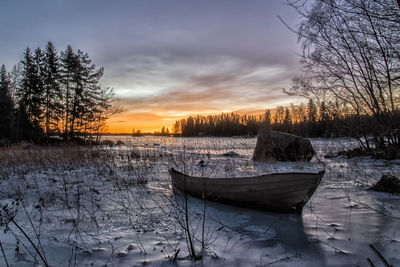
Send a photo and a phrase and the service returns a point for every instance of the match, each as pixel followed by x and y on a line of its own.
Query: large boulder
pixel 272 145
pixel 388 183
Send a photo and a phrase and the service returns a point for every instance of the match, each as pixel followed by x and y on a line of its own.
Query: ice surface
pixel 128 215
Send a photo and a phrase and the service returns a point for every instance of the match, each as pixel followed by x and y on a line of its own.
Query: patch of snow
pixel 121 211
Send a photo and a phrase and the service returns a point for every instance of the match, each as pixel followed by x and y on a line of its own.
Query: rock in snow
pixel 282 147
pixel 231 154
pixel 388 183
pixel 330 155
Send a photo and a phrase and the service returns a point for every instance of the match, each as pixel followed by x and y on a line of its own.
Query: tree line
pixel 50 94
pixel 225 124
pixel 313 119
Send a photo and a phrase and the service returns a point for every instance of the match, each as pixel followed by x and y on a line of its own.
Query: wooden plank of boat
pixel 278 192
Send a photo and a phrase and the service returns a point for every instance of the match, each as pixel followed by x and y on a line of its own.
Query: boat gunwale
pixel 173 170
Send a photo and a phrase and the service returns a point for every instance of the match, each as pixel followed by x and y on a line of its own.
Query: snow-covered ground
pixel 114 206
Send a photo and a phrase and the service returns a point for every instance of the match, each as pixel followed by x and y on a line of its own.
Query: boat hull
pixel 278 192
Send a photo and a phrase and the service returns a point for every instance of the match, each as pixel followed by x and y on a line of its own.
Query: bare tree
pixel 351 53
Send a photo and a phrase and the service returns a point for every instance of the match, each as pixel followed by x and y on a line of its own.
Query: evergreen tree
pixel 102 109
pixel 302 118
pixel 311 111
pixel 323 112
pixel 93 104
pixel 6 105
pixel 268 121
pixel 15 76
pixel 278 118
pixel 24 91
pixel 324 119
pixel 177 129
pixel 52 90
pixel 312 114
pixel 29 95
pixel 287 121
pixel 37 84
pixel 87 104
pixel 59 95
pixel 69 66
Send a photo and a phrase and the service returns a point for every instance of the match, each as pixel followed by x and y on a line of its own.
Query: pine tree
pixel 24 92
pixel 311 111
pixel 59 95
pixel 176 129
pixel 30 94
pixel 268 121
pixel 29 99
pixel 94 103
pixel 52 90
pixel 287 121
pixel 6 105
pixel 87 104
pixel 37 84
pixel 312 118
pixel 324 120
pixel 68 67
pixel 15 76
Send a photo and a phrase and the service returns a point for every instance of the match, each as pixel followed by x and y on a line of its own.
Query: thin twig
pixel 34 230
pixel 380 256
pixel 4 254
pixel 380 212
pixel 30 241
pixel 370 262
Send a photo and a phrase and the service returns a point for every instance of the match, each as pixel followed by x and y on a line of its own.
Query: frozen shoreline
pixel 124 220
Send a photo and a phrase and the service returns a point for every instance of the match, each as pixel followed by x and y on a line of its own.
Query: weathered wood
pixel 279 192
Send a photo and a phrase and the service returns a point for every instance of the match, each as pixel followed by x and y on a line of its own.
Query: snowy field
pixel 114 206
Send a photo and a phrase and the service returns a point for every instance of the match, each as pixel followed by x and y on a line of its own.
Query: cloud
pixel 165 83
pixel 168 58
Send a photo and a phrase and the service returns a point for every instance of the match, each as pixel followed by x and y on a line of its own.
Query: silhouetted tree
pixel 37 85
pixel 86 103
pixel 177 129
pixel 312 114
pixel 268 121
pixel 59 95
pixel 6 105
pixel 324 120
pixel 311 111
pixel 287 121
pixel 225 124
pixel 52 94
pixel 330 120
pixel 30 98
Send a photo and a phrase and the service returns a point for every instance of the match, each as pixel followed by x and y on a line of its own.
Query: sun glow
pixel 146 121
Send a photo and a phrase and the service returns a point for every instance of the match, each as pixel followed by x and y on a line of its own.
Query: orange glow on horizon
pixel 145 122
pixel 151 122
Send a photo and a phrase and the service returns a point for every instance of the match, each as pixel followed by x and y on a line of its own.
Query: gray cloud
pixel 175 55
pixel 212 83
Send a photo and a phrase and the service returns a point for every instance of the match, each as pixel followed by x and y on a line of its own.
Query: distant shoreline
pixel 174 135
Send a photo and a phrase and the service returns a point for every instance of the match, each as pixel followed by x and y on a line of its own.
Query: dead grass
pixel 31 157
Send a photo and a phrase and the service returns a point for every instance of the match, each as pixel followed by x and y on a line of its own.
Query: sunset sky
pixel 167 59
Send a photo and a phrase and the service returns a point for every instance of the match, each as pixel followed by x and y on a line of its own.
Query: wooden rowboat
pixel 278 192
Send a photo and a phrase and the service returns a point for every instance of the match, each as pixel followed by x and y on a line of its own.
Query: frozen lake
pixel 123 222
